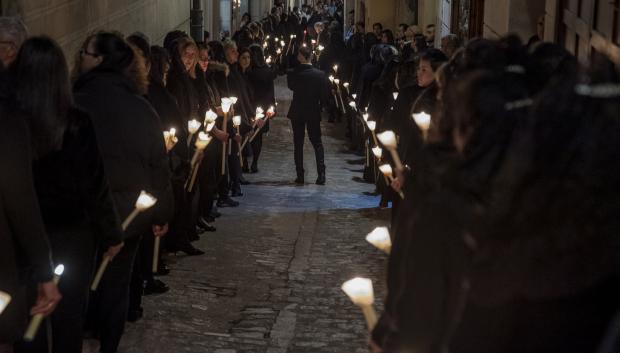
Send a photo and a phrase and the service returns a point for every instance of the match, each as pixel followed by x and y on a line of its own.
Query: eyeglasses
pixel 86 52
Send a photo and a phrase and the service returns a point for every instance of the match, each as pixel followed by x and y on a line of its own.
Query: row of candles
pixel 360 290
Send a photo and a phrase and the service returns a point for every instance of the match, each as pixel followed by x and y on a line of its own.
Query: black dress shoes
pixel 254 168
pixel 188 249
pixel 227 202
pixel 299 180
pixel 204 225
pixel 155 287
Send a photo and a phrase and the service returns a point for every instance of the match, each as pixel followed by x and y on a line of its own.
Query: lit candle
pixel 423 121
pixel 236 121
pixel 331 78
pixel 372 126
pixel 201 144
pixel 354 96
pixel 346 86
pixel 337 81
pixel 193 126
pixel 210 116
pixel 265 45
pixel 143 203
pixel 388 139
pixel 237 124
pixel 226 104
pixel 170 139
pixel 34 324
pixel 268 61
pixel 395 94
pixel 5 299
pixel 378 152
pixel 365 116
pixel 380 238
pixel 320 47
pixel 313 41
pixel 210 126
pixel 271 111
pixel 361 293
pixel 353 105
pixel 233 100
pixel 279 51
pixel 387 171
pixel 335 68
pixel 282 43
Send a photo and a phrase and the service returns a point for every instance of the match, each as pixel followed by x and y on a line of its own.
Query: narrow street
pixel 270 280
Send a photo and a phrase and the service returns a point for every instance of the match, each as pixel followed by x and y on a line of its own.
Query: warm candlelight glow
pixel 259 110
pixel 335 68
pixel 265 45
pixel 202 141
pixel 423 121
pixel 59 270
pixel 386 169
pixel 354 95
pixel 292 36
pixel 233 100
pixel 353 105
pixel 365 116
pixel 346 85
pixel 380 238
pixel 268 61
pixel 193 126
pixel 236 120
pixel 282 43
pixel 313 41
pixel 210 126
pixel 279 51
pixel 360 291
pixel 5 299
pixel 145 201
pixel 210 116
pixel 378 152
pixel 337 81
pixel 226 104
pixel 320 47
pixel 271 111
pixel 388 139
pixel 304 45
pixel 331 78
pixel 372 125
pixel 395 94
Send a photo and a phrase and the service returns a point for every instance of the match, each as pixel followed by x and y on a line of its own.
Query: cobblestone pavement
pixel 270 279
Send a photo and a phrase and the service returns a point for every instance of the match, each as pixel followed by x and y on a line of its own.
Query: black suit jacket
pixel 310 88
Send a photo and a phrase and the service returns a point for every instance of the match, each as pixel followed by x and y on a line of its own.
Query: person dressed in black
pixel 310 87
pixel 129 133
pixel 73 191
pixel 25 248
pixel 261 77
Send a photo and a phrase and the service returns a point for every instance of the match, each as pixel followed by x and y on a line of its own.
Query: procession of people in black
pixel 504 211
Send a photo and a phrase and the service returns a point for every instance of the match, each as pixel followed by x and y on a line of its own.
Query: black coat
pixel 131 144
pixel 22 233
pixel 310 92
pixel 261 82
pixel 72 186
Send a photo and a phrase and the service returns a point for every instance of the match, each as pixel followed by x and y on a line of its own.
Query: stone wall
pixel 70 21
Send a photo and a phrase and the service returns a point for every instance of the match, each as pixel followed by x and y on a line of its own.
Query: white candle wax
pixel 360 291
pixel 380 238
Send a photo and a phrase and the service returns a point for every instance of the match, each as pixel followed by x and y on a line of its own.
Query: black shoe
pixel 210 219
pixel 155 287
pixel 236 194
pixel 135 315
pixel 299 180
pixel 204 225
pixel 215 214
pixel 227 202
pixel 321 179
pixel 254 168
pixel 188 249
pixel 162 268
pixel 245 168
pixel 193 236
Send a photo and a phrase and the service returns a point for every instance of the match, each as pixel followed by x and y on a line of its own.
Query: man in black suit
pixel 310 87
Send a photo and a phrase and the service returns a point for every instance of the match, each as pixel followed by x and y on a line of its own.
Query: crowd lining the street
pixel 499 159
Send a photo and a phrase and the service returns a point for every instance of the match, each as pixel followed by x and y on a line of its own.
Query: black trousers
pixel 181 225
pixel 75 249
pixel 257 147
pixel 109 305
pixel 314 134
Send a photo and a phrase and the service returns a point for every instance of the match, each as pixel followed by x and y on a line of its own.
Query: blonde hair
pixel 182 44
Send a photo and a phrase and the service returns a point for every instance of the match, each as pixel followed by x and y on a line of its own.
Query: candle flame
pixel 337 81
pixel 346 85
pixel 193 126
pixel 210 126
pixel 335 68
pixel 380 238
pixel 173 132
pixel 386 169
pixel 5 299
pixel 365 116
pixel 352 104
pixel 378 152
pixel 210 116
pixel 145 201
pixel 423 120
pixel 354 96
pixel 236 120
pixel 360 291
pixel 372 125
pixel 331 78
pixel 226 104
pixel 395 94
pixel 388 139
pixel 59 270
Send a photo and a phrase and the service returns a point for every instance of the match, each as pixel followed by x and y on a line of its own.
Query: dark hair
pixel 548 63
pixel 42 90
pixel 377 24
pixel 257 55
pixel 390 36
pixel 306 52
pixel 159 60
pixel 435 57
pixel 216 51
pixel 142 44
pixel 243 51
pixel 419 42
pixel 116 52
pixel 404 26
pixel 171 37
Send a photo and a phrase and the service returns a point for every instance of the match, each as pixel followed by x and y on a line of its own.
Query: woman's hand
pixel 47 298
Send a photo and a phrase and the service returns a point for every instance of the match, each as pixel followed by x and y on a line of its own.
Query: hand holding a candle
pixel 48 298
